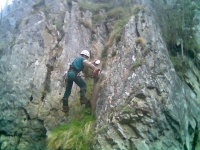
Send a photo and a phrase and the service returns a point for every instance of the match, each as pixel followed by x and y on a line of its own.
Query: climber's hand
pixel 96 72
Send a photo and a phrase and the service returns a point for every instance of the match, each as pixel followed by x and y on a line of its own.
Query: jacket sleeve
pixel 87 63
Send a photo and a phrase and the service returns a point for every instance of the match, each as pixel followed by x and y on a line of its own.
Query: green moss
pixel 121 16
pixel 93 37
pixel 86 23
pixel 138 63
pixel 127 109
pixel 180 65
pixel 75 123
pixel 122 12
pixel 104 52
pixel 191 44
pixel 116 13
pixel 59 24
pixel 115 34
pixel 134 10
pixel 93 7
pixel 179 23
pixel 121 23
pixel 89 82
pixel 97 18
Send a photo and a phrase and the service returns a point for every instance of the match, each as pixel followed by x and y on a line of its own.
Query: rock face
pixel 197 17
pixel 142 103
pixel 39 48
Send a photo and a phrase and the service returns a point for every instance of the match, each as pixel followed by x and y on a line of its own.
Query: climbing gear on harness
pixel 72 68
pixel 86 53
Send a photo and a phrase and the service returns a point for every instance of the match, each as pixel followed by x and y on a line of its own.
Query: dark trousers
pixel 72 77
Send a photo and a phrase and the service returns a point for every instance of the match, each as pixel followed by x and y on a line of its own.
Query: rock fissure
pixel 47 82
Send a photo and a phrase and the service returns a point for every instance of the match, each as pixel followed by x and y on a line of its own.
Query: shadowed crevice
pixel 47 82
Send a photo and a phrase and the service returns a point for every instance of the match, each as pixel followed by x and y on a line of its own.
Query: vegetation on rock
pixel 77 134
pixel 179 28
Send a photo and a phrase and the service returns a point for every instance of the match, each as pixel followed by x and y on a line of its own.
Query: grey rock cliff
pixel 142 103
pixel 39 48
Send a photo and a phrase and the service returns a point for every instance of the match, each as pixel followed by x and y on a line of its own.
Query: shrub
pixel 117 13
pixel 98 18
pixel 86 23
pixel 136 9
pixel 104 52
pixel 93 7
pixel 116 32
pixel 122 16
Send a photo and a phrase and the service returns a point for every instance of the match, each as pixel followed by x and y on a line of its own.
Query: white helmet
pixel 86 53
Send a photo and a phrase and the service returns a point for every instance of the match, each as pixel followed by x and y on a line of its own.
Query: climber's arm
pixel 88 64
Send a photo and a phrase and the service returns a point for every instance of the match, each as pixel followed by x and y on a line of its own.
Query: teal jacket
pixel 78 63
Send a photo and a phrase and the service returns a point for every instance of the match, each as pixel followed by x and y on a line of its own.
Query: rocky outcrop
pixel 40 44
pixel 142 103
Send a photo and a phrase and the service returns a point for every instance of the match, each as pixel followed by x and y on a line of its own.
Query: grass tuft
pixel 93 7
pixel 77 134
pixel 140 41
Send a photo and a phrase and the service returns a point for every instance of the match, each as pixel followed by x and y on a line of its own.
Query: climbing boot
pixel 65 105
pixel 83 100
pixel 65 109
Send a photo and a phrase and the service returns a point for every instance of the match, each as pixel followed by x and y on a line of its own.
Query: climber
pixel 77 66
